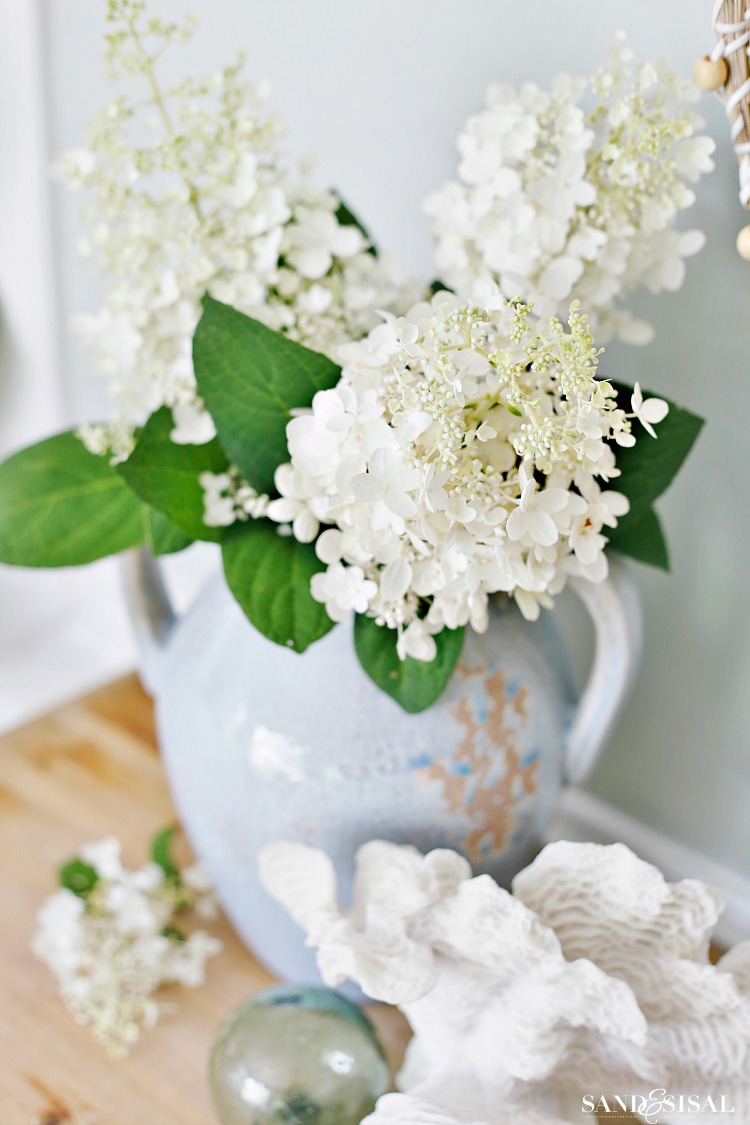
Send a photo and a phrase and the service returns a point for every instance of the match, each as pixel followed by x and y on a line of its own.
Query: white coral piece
pixel 593 975
pixel 403 1109
pixel 608 905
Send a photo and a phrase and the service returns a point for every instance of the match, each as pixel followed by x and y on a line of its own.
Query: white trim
pixel 583 817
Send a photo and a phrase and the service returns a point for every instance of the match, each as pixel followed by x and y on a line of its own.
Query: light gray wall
pixel 379 89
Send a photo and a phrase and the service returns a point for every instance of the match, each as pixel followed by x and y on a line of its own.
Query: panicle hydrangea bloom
pixel 466 450
pixel 191 192
pixel 555 203
pixel 113 946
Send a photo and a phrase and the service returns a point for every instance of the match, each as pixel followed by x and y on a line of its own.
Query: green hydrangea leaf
pixel 639 535
pixel 161 851
pixel 269 575
pixel 167 475
pixel 61 505
pixel 78 877
pixel 174 933
pixel 251 378
pixel 649 467
pixel 414 684
pixel 164 538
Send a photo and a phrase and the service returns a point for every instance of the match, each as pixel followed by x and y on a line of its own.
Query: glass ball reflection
pixel 297 1055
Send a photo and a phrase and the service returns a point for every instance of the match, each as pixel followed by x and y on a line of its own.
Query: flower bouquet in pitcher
pixel 399 476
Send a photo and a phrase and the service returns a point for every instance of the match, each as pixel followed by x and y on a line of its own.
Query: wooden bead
pixel 743 243
pixel 709 74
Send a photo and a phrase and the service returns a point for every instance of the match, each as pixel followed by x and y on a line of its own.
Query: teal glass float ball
pixel 296 1055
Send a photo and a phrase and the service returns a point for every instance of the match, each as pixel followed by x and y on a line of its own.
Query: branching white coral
pixel 555 202
pixel 592 976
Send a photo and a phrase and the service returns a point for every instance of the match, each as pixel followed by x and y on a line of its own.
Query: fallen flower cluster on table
pixel 111 937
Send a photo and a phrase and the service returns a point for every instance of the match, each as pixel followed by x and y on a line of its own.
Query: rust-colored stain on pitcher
pixel 487 775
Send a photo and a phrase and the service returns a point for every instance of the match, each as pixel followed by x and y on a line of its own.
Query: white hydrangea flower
pixel 648 411
pixel 219 509
pixel 554 202
pixel 462 453
pixel 416 641
pixel 343 589
pixel 292 506
pixel 227 498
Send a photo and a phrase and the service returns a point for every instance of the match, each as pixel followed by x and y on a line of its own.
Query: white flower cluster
pixel 112 947
pixel 460 454
pixel 192 194
pixel 555 203
pixel 228 499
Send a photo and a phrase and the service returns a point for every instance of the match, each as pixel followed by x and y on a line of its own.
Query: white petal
pixel 329 546
pixel 560 276
pixel 653 410
pixel 400 504
pixel 636 399
pixel 527 603
pixel 542 528
pixel 552 500
pixel 516 524
pixel 305 526
pixel 283 510
pixel 625 440
pixel 395 579
pixel 365 488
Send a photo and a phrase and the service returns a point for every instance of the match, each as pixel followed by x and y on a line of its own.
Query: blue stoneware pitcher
pixel 261 743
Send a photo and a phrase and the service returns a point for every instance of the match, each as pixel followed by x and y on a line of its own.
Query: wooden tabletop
pixel 89 770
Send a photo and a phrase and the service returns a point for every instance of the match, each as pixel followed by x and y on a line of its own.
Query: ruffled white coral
pixel 609 906
pixel 592 976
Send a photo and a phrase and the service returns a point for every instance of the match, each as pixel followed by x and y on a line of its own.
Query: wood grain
pixel 91 769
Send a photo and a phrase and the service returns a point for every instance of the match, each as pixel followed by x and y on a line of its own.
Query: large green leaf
pixel 251 378
pixel 649 466
pixel 414 684
pixel 269 575
pixel 163 537
pixel 166 475
pixel 639 534
pixel 63 506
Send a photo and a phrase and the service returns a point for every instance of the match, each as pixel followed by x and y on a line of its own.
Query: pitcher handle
pixel 151 611
pixel 615 608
